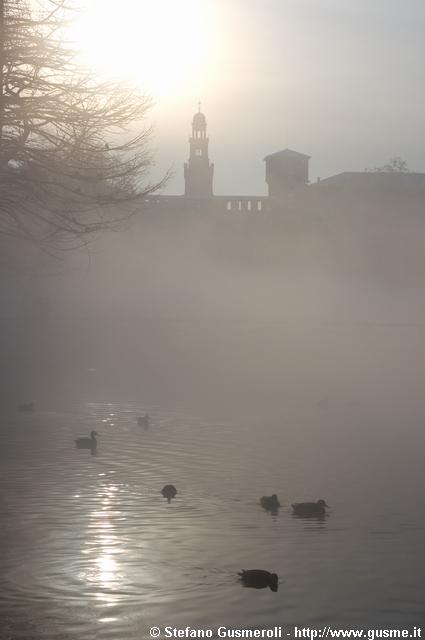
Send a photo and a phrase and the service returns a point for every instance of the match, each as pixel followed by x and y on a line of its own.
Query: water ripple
pixel 92 549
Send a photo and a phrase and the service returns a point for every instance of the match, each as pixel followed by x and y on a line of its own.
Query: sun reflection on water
pixel 107 570
pixel 103 547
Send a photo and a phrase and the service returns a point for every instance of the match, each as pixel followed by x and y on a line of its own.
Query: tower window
pixel 198 152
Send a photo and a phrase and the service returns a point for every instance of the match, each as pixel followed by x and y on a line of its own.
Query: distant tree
pixel 68 166
pixel 394 165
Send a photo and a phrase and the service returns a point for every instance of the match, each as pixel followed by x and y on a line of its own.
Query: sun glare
pixel 163 45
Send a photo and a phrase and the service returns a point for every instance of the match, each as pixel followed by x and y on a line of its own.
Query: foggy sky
pixel 340 80
pixel 305 302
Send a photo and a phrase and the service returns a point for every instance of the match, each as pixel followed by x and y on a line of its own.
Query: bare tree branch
pixel 71 165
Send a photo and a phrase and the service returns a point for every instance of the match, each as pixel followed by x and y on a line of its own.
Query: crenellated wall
pixel 230 204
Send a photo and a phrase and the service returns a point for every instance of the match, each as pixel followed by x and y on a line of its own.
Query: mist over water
pixel 275 354
pixel 273 312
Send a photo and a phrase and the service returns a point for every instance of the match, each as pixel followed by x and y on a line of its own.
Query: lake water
pixel 92 550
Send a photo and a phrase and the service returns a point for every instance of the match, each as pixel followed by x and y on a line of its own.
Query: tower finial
pixel 199 106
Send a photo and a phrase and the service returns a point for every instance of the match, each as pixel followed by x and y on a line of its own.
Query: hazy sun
pixel 163 45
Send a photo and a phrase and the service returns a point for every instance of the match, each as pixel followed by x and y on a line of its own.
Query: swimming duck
pixel 270 503
pixel 144 421
pixel 87 443
pixel 169 492
pixel 259 579
pixel 26 406
pixel 310 509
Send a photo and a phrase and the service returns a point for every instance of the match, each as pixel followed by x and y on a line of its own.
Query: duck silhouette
pixel 26 406
pixel 169 492
pixel 310 509
pixel 87 443
pixel 259 579
pixel 270 503
pixel 144 421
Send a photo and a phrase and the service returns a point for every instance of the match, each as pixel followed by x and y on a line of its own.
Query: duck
pixel 144 421
pixel 270 503
pixel 26 406
pixel 310 509
pixel 259 579
pixel 87 443
pixel 169 492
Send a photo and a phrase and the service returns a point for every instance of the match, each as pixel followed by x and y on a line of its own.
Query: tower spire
pixel 198 171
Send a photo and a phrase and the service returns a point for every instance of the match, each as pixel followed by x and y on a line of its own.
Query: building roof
pixel 359 179
pixel 287 153
pixel 199 120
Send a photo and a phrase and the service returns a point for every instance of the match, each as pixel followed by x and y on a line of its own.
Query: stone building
pixel 286 171
pixel 287 178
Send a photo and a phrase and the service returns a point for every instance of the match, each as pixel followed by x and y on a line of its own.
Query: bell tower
pixel 198 171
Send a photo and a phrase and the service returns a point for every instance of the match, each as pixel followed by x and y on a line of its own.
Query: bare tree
pixel 394 165
pixel 69 167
